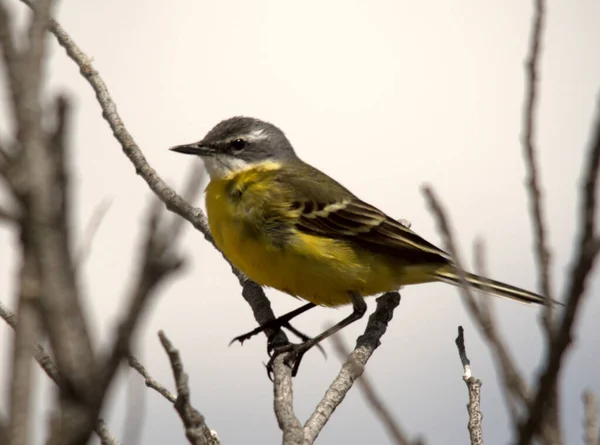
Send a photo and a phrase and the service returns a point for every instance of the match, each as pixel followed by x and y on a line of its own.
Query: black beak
pixel 197 148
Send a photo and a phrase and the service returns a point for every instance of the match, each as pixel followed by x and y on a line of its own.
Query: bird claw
pixel 294 353
pixel 273 344
pixel 242 338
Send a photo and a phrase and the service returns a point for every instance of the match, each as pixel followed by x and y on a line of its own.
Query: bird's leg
pixel 276 324
pixel 296 352
pixel 301 335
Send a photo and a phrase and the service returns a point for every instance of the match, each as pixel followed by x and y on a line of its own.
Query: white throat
pixel 223 166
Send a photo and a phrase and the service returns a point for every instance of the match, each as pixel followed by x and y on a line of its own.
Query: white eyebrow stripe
pixel 256 135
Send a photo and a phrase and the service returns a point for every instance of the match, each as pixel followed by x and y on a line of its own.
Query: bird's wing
pixel 323 207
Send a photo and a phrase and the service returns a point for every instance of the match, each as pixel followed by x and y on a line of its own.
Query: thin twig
pixel 90 231
pixel 150 381
pixel 196 430
pixel 531 168
pixel 382 412
pixel 353 367
pixel 462 354
pixel 474 387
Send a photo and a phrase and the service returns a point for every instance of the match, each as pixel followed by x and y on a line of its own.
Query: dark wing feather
pixel 370 228
pixel 323 207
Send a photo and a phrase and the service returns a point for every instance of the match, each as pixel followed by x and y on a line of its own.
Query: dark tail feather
pixel 491 286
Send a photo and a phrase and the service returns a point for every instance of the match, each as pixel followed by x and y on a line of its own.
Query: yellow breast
pixel 318 269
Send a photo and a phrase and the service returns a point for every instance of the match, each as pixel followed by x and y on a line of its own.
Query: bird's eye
pixel 238 145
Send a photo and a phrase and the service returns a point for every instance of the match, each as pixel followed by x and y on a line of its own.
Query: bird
pixel 289 226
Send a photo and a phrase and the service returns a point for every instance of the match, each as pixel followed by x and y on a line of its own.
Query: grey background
pixel 384 96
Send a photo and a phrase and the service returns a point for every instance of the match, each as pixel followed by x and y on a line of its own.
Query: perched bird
pixel 289 226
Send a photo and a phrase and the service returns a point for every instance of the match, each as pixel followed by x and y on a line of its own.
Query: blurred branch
pixel 7 216
pixel 354 365
pixel 474 387
pixel 44 239
pixel 196 430
pixel 381 411
pixel 26 334
pixel 585 255
pixel 531 168
pixel 45 361
pixel 3 430
pixel 61 306
pixel 157 262
pixel 590 421
pixel 90 231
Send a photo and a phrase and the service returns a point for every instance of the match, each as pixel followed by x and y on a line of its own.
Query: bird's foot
pixel 294 353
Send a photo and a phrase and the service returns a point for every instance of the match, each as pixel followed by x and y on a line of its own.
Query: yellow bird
pixel 289 226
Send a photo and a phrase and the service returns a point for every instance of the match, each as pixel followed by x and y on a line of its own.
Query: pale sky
pixel 384 96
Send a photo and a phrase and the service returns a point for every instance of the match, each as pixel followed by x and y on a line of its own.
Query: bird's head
pixel 239 143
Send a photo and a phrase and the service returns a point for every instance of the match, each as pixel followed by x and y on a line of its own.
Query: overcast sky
pixel 385 96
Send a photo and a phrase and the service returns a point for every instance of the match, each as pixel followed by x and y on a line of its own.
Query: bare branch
pixel 590 421
pixel 378 406
pixel 533 181
pixel 353 367
pixel 585 256
pixel 284 403
pixel 462 354
pixel 196 430
pixel 150 381
pixel 474 387
pixel 104 434
pixel 46 363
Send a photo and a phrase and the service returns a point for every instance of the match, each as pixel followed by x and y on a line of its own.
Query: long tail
pixel 451 276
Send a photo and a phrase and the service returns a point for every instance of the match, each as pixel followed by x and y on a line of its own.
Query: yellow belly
pixel 320 270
